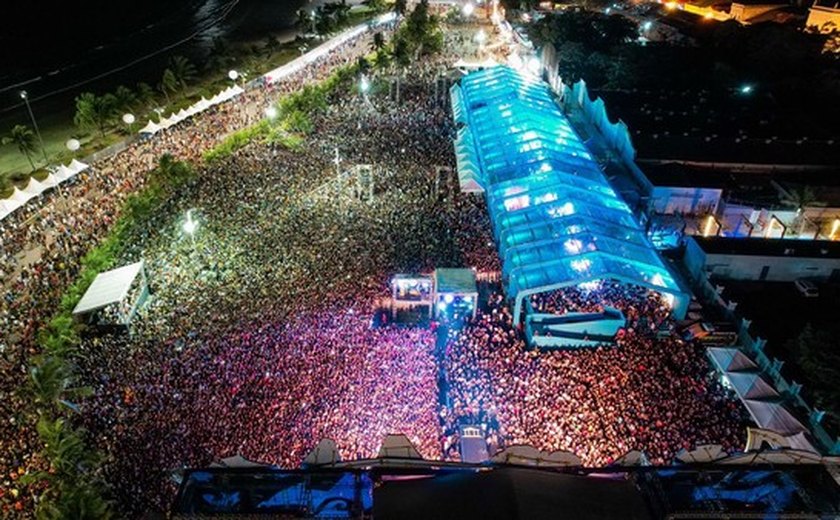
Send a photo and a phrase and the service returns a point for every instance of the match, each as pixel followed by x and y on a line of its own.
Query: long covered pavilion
pixel 556 219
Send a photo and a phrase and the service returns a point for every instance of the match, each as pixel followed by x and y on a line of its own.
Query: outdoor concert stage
pixel 574 329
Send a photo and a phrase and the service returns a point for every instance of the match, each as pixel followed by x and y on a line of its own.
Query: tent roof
pixel 514 141
pixel 774 417
pixel 455 280
pixel 398 446
pixel 751 386
pixel 730 359
pixel 108 287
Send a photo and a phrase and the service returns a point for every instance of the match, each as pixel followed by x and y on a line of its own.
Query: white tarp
pixel 702 454
pixel 774 416
pixel 152 128
pixel 296 64
pixel 730 359
pixel 751 386
pixel 528 455
pixel 398 446
pixel 108 287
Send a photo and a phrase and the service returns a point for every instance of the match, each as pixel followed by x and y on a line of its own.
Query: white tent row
pixel 34 188
pixel 199 106
pixel 296 64
pixel 759 397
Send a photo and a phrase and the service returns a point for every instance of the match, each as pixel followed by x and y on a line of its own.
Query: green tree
pixel 52 386
pixel 94 112
pixel 168 84
pixel 124 99
pixel 401 52
pixel 183 70
pixel 271 45
pixel 25 141
pixel 816 352
pixel 145 94
pixel 378 42
pixel 303 21
pixel 220 55
pixel 382 60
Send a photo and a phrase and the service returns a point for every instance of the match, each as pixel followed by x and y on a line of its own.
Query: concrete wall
pixel 780 269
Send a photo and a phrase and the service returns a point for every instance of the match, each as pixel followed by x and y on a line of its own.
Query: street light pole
pixel 25 98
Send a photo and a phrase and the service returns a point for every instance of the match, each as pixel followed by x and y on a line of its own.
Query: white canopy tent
pixel 398 446
pixel 774 416
pixel 201 105
pixel 527 455
pixel 34 187
pixel 110 287
pixel 730 359
pixel 751 386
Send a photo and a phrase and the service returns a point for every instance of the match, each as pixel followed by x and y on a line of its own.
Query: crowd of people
pixel 259 336
pixel 43 243
pixel 650 391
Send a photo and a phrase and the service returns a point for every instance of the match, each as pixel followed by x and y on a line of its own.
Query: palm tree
pixel 800 198
pixel 271 45
pixel 382 60
pixel 378 42
pixel 303 21
pixel 95 111
pixel 400 6
pixel 183 70
pixel 124 98
pixel 25 140
pixel 51 384
pixel 168 84
pixel 145 93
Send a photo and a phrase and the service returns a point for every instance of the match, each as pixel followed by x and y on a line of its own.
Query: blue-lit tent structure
pixel 556 220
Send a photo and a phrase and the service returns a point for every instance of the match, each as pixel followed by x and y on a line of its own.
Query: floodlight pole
pixel 25 98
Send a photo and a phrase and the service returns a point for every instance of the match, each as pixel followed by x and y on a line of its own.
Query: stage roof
pixel 108 287
pixel 556 219
pixel 455 281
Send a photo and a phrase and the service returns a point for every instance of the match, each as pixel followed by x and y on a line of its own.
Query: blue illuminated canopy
pixel 556 219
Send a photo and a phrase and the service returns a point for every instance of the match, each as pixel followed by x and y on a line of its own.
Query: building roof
pixel 769 247
pixel 555 216
pixel 108 287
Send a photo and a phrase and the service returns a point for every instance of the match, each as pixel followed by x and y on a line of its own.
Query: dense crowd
pixel 43 243
pixel 259 336
pixel 649 392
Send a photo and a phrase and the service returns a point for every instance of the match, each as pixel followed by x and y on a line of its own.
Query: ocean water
pixel 56 50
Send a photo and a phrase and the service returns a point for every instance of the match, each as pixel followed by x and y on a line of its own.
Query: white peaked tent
pixel 632 458
pixel 751 386
pixel 398 446
pixel 774 416
pixel 759 437
pixel 34 188
pixel 730 359
pixel 152 128
pixel 702 454
pixel 780 456
pixel 527 455
pixel 325 453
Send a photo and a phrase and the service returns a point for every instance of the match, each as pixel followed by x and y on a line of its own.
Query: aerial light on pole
pixel 73 144
pixel 190 225
pixel 233 75
pixel 746 89
pixel 271 112
pixel 469 8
